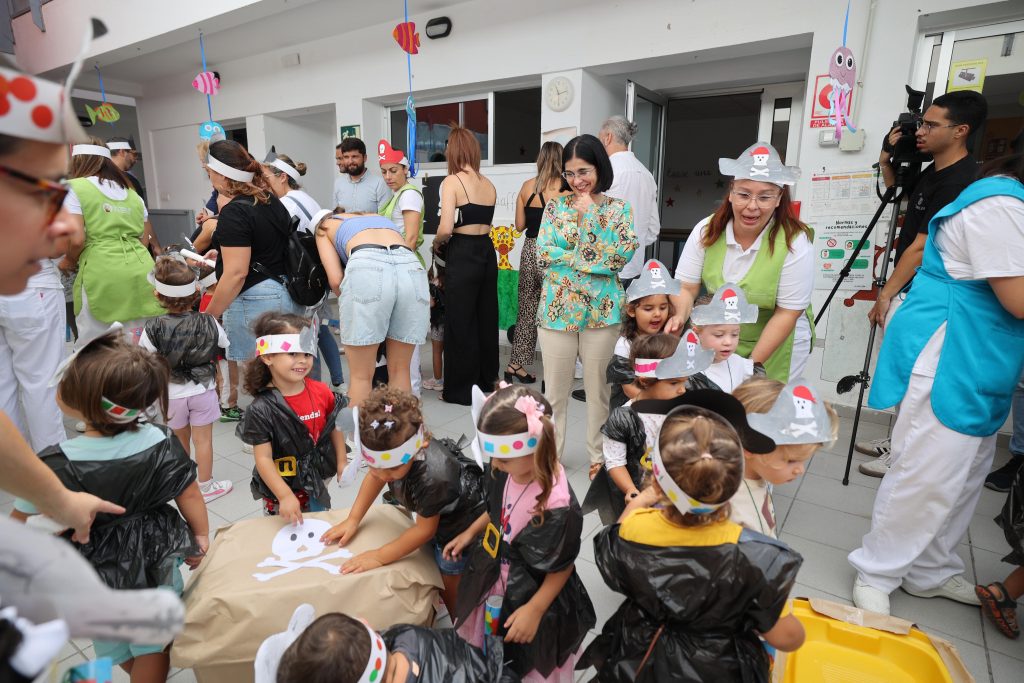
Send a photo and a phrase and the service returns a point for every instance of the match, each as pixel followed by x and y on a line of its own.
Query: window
pixel 780 125
pixel 513 114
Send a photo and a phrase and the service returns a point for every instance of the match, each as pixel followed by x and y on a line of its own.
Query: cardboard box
pixel 232 603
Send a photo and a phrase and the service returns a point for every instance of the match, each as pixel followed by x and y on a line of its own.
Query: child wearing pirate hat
pixel 716 319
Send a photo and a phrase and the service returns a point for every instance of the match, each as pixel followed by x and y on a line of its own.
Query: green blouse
pixel 581 263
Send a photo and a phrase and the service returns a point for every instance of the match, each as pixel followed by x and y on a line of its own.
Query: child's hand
pixel 631 496
pixel 453 551
pixel 649 497
pixel 341 533
pixel 291 510
pixel 595 467
pixel 521 626
pixel 362 562
pixel 204 544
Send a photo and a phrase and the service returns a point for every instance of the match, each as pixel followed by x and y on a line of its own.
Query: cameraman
pixel 943 133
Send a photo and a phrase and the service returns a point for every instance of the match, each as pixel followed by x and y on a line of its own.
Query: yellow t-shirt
pixel 650 527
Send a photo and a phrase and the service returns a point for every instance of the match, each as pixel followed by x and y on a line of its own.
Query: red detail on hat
pixel 761 150
pixel 387 155
pixel 691 338
pixel 42 116
pixel 23 88
pixel 5 106
pixel 800 391
pixel 653 265
pixel 728 294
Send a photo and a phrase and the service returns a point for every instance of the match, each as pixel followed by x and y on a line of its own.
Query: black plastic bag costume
pixel 701 381
pixel 270 418
pixel 699 606
pixel 619 371
pixel 537 551
pixel 1011 520
pixel 445 483
pixel 625 426
pixel 140 548
pixel 189 343
pixel 444 657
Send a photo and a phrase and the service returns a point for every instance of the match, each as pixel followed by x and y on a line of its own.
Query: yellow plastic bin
pixel 846 644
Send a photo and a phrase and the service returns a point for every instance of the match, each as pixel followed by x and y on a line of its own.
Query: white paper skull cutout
pixel 298 546
pixel 691 342
pixel 730 300
pixel 760 156
pixel 803 403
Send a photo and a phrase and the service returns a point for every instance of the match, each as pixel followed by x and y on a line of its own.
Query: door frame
pixel 633 91
pixel 769 93
pixel 949 38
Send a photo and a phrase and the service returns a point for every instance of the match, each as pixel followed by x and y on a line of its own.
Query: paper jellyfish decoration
pixel 842 74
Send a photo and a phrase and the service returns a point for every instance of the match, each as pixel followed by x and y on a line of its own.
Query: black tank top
pixel 470 213
pixel 534 214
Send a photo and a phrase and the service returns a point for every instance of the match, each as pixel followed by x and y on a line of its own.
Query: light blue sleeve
pixel 25 507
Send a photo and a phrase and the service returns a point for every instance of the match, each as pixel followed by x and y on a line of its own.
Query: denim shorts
pixel 384 295
pixel 449 567
pixel 269 295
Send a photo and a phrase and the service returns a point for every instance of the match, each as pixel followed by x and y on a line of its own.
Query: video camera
pixel 905 149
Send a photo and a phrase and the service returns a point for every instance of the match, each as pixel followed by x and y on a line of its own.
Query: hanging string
pixel 410 110
pixel 103 93
pixel 202 53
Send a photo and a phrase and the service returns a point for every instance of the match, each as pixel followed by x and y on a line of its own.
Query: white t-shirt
pixel 189 388
pixel 623 347
pixel 635 184
pixel 410 200
pixel 615 451
pixel 110 189
pixel 731 372
pixel 751 506
pixel 47 278
pixel 297 200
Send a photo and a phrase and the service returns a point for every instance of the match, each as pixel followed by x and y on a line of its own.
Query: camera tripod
pixel 864 377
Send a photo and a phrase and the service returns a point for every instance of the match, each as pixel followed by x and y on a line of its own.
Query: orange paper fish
pixel 406 37
pixel 105 113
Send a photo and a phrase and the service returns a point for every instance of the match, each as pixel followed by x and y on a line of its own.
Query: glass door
pixel 646 108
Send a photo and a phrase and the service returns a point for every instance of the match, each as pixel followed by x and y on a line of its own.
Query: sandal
pixel 999 607
pixel 518 372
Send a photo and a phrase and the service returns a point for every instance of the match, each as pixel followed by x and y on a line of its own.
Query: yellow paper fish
pixel 105 113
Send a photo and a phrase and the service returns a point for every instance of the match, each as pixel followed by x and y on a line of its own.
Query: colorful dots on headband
pixel 406 458
pixel 531 442
pixel 504 449
pixel 385 456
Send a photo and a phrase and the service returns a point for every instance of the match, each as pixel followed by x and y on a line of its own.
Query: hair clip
pixel 389 424
pixel 387 408
pixel 375 424
pixel 534 411
pixel 706 456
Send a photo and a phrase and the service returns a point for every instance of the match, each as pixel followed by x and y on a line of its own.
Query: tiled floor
pixel 817 515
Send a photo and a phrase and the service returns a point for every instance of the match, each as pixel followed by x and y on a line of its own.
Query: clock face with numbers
pixel 559 93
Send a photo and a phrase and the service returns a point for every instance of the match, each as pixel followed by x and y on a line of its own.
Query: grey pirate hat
pixel 688 359
pixel 761 162
pixel 654 278
pixel 798 416
pixel 728 307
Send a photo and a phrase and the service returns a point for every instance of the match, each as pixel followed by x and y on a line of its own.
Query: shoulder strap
pixel 302 208
pixel 530 199
pixel 468 200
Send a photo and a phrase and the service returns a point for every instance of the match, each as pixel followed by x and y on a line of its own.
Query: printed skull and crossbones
pixel 299 547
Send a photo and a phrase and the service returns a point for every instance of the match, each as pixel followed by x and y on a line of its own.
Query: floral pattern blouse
pixel 581 263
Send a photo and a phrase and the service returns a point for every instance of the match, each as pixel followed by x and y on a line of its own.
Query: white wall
pixel 311 140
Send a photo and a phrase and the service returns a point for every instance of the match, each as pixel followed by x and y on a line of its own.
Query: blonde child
pixel 699 588
pixel 716 319
pixel 291 421
pixel 530 539
pixel 795 418
pixel 189 341
pixel 109 384
pixel 428 477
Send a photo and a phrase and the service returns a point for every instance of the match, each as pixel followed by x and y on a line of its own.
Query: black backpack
pixel 304 276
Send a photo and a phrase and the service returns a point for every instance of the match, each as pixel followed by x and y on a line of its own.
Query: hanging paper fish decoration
pixel 206 83
pixel 407 38
pixel 105 113
pixel 212 131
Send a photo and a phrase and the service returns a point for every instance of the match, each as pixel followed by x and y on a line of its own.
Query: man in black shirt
pixel 943 133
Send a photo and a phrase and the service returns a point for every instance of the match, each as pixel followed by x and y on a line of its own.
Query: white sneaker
pixel 956 588
pixel 876 447
pixel 212 490
pixel 80 427
pixel 870 598
pixel 246 448
pixel 876 468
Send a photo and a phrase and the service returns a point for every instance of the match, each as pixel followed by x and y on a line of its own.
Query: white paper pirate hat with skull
pixel 728 307
pixel 761 162
pixel 653 279
pixel 688 359
pixel 33 108
pixel 798 416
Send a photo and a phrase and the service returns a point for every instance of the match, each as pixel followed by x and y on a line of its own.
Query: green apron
pixel 760 284
pixel 389 208
pixel 113 265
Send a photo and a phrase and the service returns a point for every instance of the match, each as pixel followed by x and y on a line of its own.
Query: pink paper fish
pixel 206 83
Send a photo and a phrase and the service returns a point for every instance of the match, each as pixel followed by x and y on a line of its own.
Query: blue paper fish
pixel 212 131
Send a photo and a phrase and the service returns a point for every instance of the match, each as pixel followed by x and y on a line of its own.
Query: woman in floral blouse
pixel 585 240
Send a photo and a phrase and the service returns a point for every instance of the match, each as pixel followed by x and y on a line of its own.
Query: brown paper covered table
pixel 229 611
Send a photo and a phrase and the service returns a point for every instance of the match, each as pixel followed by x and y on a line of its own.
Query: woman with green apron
pixel 755 240
pixel 112 262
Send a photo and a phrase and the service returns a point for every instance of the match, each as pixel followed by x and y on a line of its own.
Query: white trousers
pixel 31 347
pixel 90 327
pixel 925 502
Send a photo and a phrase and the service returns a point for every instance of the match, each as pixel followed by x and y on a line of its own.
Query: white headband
pixel 380 460
pixel 680 499
pixel 501 446
pixel 119 145
pixel 172 291
pixel 208 281
pixel 375 665
pixel 90 150
pixel 219 166
pixel 283 343
pixel 646 367
pixel 289 171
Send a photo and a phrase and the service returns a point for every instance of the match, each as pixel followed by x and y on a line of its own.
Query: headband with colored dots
pixel 286 343
pixel 680 499
pixel 503 446
pixel 381 460
pixel 374 671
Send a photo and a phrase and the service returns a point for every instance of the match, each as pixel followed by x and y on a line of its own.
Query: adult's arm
pixel 331 261
pixel 550 251
pixel 521 207
pixel 885 158
pixel 205 238
pixel 775 332
pixel 617 231
pixel 23 474
pixel 412 220
pixel 682 304
pixel 236 268
pixel 793 295
pixel 1010 292
pixel 910 259
pixel 149 237
pixel 446 224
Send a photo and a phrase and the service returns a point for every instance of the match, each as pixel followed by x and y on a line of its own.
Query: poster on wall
pixel 967 75
pixel 821 106
pixel 840 208
pixel 350 132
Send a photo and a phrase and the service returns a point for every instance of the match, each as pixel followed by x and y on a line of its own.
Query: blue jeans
pixel 1017 440
pixel 269 295
pixel 384 295
pixel 329 352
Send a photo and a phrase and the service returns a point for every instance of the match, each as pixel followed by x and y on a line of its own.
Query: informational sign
pixel 349 132
pixel 840 208
pixel 967 75
pixel 821 105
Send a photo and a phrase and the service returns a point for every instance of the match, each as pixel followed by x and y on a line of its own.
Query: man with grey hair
pixel 635 184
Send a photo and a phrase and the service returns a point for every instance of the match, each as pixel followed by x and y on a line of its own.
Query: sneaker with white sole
pixel 870 598
pixel 80 427
pixel 212 490
pixel 876 468
pixel 876 447
pixel 957 588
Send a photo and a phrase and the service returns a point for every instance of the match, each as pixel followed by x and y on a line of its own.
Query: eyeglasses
pixel 928 126
pixel 583 173
pixel 51 193
pixel 762 200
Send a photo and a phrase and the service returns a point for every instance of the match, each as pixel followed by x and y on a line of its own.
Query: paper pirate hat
pixel 33 108
pixel 798 416
pixel 654 279
pixel 761 162
pixel 688 359
pixel 388 155
pixel 728 307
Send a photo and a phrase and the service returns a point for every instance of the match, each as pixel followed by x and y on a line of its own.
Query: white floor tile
pixel 853 499
pixel 833 528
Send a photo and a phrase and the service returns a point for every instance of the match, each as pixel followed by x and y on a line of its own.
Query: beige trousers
pixel 594 346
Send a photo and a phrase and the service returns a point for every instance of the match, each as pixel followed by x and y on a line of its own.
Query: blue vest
pixel 983 352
